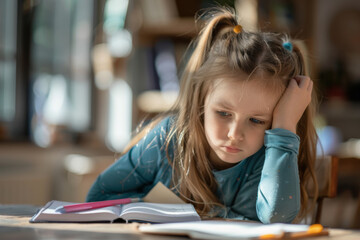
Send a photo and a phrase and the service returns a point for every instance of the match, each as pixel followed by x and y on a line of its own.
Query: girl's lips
pixel 231 149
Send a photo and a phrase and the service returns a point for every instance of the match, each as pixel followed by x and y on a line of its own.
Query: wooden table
pixel 14 224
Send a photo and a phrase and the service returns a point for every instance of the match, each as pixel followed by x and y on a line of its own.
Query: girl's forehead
pixel 235 93
pixel 244 83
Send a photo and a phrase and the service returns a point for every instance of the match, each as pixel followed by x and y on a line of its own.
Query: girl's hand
pixel 293 103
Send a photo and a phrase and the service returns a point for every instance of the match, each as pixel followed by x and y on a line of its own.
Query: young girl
pixel 239 142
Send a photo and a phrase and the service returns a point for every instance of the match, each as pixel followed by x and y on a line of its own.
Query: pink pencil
pixel 93 205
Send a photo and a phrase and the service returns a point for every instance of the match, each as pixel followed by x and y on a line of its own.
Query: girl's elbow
pixel 92 196
pixel 95 193
pixel 278 215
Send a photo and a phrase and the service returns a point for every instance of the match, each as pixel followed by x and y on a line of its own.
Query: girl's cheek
pixel 218 132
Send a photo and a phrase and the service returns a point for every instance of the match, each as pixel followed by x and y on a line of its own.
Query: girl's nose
pixel 236 131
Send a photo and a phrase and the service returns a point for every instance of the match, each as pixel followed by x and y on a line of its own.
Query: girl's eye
pixel 257 121
pixel 223 114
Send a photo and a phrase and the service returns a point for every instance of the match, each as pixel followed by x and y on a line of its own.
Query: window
pixel 8 51
pixel 45 68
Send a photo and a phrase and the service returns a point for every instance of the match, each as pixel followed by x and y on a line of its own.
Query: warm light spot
pixel 315 228
pixel 268 236
pixel 290 197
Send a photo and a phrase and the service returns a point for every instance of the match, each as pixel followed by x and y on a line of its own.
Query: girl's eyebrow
pixel 227 105
pixel 224 104
pixel 261 114
pixel 264 115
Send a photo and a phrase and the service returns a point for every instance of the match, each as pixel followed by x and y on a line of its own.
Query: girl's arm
pixel 270 190
pixel 279 188
pixel 134 170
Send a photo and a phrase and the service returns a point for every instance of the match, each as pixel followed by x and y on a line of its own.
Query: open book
pixel 222 230
pixel 138 211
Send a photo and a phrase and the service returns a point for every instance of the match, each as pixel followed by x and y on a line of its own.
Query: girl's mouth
pixel 231 149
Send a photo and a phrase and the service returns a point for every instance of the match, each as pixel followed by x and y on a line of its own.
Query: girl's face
pixel 236 115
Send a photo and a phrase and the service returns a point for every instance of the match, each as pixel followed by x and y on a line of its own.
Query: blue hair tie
pixel 288 46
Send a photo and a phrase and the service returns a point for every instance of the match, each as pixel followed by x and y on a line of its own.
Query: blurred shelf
pixel 343 115
pixel 156 101
pixel 177 28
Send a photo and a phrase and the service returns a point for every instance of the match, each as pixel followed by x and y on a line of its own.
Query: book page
pixel 49 214
pixel 161 194
pixel 225 229
pixel 156 212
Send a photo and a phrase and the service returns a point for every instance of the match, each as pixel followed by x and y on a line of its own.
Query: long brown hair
pixel 219 53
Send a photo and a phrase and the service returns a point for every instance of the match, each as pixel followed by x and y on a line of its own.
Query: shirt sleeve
pixel 244 207
pixel 134 170
pixel 278 198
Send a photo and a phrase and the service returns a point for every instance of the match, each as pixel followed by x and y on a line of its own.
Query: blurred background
pixel 78 76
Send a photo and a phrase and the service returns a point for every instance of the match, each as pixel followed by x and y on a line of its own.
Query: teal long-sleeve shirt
pixel 263 187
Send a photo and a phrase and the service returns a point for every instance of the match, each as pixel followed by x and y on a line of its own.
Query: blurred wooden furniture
pixel 326 170
pixel 78 174
pixel 349 181
pixel 33 175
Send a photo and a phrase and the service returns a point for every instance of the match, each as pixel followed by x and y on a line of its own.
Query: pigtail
pixel 300 52
pixel 218 23
pixel 307 133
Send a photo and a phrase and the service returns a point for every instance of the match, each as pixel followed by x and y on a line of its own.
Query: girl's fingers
pixel 303 81
pixel 310 86
pixel 293 83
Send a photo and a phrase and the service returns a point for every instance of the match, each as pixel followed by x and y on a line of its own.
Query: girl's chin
pixel 221 162
pixel 230 159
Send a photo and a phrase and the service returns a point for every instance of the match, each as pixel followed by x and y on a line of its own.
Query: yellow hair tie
pixel 237 29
